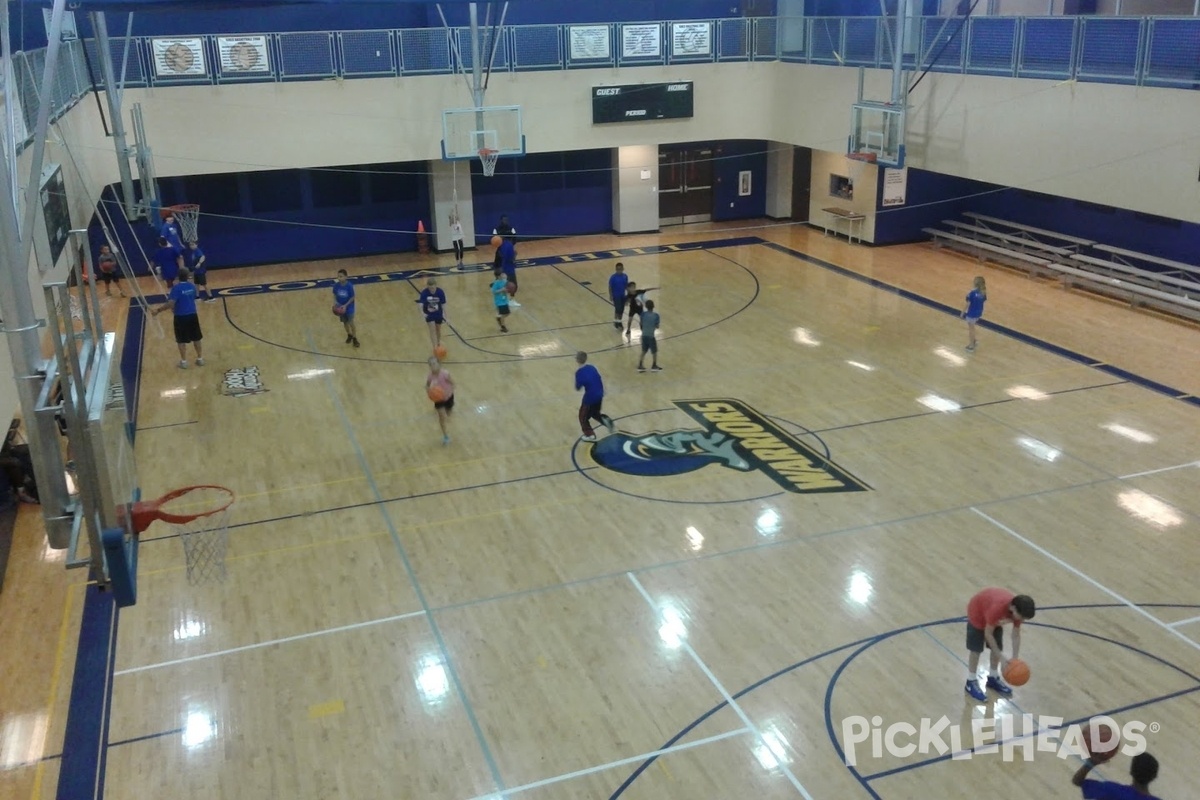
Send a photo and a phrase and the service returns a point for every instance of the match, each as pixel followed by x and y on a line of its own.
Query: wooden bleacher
pixel 1137 278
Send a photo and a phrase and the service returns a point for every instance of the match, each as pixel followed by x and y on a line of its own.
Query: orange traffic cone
pixel 422 238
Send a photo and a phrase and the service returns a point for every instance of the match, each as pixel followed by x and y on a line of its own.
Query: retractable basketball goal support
pixel 113 93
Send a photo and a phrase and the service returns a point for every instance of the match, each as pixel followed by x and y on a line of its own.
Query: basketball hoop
pixel 868 156
pixel 201 523
pixel 188 215
pixel 489 158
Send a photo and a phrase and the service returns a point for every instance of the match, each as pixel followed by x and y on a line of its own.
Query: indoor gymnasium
pixel 759 399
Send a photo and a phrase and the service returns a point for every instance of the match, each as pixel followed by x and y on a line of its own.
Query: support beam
pixel 898 93
pixel 112 93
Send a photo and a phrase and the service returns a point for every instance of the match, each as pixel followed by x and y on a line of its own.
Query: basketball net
pixel 489 158
pixel 189 220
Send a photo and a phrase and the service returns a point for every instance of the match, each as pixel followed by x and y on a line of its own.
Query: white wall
pixel 780 161
pixel 635 198
pixel 866 185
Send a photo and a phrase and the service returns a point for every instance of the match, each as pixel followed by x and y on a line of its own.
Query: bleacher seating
pixel 1137 278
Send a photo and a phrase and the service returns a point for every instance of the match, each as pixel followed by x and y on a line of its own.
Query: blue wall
pixel 933 197
pixel 546 194
pixel 733 157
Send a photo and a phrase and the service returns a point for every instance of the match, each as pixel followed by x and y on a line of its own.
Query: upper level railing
pixel 1144 51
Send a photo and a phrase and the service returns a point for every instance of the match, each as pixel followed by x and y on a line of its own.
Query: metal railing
pixel 1143 51
pixel 71 84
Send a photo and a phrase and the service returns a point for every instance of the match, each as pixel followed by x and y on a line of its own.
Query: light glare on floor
pixel 859 589
pixel 862 366
pixel 1132 434
pixel 672 631
pixel 199 729
pixel 949 356
pixel 768 522
pixel 938 403
pixel 1039 448
pixel 1026 393
pixel 804 336
pixel 772 750
pixel 432 680
pixel 308 374
pixel 1149 508
pixel 695 539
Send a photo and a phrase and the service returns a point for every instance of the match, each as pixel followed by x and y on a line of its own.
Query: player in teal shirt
pixel 500 297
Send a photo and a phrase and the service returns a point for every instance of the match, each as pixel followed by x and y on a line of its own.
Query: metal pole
pixel 113 94
pixel 898 53
pixel 476 64
pixel 10 107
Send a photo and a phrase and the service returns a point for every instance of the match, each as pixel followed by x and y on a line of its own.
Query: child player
pixel 500 298
pixel 433 303
pixel 618 282
pixel 198 264
pixel 166 262
pixel 343 306
pixel 987 613
pixel 440 378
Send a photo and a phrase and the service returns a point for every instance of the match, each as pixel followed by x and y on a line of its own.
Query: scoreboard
pixel 642 102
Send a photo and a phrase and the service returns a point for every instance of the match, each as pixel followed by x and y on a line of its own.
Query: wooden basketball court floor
pixel 522 614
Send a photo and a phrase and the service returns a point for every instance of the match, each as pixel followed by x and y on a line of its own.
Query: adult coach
pixel 1142 771
pixel 182 300
pixel 505 230
pixel 587 377
pixel 987 614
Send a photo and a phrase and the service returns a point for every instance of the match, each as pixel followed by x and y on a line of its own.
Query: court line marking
pixel 582 773
pixel 1187 621
pixel 1089 579
pixel 55 678
pixel 1157 471
pixel 365 466
pixel 256 645
pixel 708 673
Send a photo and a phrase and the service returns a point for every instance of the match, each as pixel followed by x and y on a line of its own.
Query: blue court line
pixel 863 644
pixel 493 767
pixel 84 750
pixel 1012 333
pixel 585 285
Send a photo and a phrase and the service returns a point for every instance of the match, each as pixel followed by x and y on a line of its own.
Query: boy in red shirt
pixel 987 614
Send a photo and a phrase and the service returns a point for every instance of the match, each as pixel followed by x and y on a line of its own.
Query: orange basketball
pixel 440 351
pixel 511 288
pixel 497 241
pixel 1016 673
pixel 436 393
pixel 1107 740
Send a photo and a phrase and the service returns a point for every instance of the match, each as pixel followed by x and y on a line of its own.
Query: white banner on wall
pixel 641 41
pixel 243 53
pixel 173 57
pixel 589 42
pixel 895 186
pixel 691 38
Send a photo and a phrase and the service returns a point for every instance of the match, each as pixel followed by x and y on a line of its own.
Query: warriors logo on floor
pixel 752 450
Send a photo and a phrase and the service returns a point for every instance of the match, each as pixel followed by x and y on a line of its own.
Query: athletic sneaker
pixel 503 329
pixel 998 686
pixel 356 344
pixel 349 339
pixel 183 364
pixel 617 325
pixel 199 362
pixel 445 439
pixel 514 304
pixel 656 368
pixel 976 693
pixel 590 438
pixel 641 369
pixel 209 300
pixel 970 348
pixel 608 423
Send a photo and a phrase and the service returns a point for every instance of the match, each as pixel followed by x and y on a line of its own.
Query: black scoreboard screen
pixel 641 102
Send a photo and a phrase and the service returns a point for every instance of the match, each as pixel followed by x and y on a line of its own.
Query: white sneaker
pixel 514 303
pixel 199 362
pixel 591 438
pixel 183 364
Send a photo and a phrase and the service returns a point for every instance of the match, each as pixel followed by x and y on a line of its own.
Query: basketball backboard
pixel 466 131
pixel 878 128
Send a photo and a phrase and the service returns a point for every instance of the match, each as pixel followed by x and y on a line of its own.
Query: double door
pixel 685 184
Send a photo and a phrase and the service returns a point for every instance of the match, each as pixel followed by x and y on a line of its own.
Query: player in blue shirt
pixel 500 298
pixel 166 262
pixel 974 310
pixel 433 304
pixel 197 264
pixel 506 256
pixel 587 377
pixel 343 306
pixel 182 300
pixel 170 232
pixel 1143 771
pixel 618 282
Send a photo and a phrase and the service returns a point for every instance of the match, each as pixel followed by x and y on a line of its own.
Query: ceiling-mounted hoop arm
pixel 455 50
pixel 495 44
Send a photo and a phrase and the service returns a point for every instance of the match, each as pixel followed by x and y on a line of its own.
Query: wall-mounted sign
pixel 243 54
pixel 641 41
pixel 177 57
pixel 589 42
pixel 691 39
pixel 642 102
pixel 745 183
pixel 895 187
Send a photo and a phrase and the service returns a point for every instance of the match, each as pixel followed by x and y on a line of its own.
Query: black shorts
pixel 109 277
pixel 502 311
pixel 649 345
pixel 447 404
pixel 976 643
pixel 200 278
pixel 187 329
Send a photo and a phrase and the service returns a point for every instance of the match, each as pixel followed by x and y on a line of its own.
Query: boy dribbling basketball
pixel 440 379
pixel 987 614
